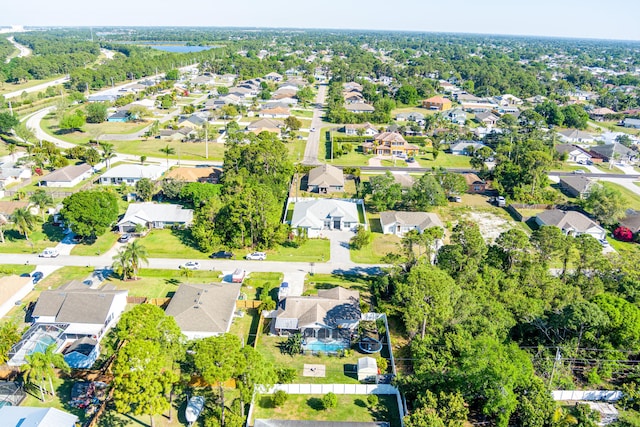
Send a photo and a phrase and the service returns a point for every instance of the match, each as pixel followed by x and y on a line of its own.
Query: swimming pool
pixel 42 344
pixel 328 347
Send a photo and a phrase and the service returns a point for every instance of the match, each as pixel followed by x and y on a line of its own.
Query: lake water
pixel 181 48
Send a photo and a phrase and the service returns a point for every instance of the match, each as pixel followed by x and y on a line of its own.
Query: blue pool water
pixel 325 346
pixel 42 344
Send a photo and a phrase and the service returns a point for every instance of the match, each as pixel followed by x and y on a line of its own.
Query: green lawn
pixel 313 250
pixel 44 236
pixel 256 281
pixel 90 130
pixel 153 283
pixel 327 281
pixel 395 163
pixel 10 87
pixel 380 246
pixel 168 243
pixel 339 370
pixel 9 269
pixel 245 327
pixel 444 160
pixel 101 245
pixel 309 407
pixel 632 200
pixel 184 150
pixel 296 149
pixel 563 167
pixel 604 168
pixel 59 400
pixel 302 113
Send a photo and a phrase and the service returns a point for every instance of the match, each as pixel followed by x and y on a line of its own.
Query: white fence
pixel 353 389
pixel 589 395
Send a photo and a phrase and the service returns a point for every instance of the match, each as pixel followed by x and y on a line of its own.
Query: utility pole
pixel 10 108
pixel 206 141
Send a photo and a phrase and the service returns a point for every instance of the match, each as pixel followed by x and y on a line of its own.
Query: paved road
pixel 24 51
pixel 37 88
pixel 313 143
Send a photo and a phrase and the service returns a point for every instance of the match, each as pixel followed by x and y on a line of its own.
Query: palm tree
pixel 121 264
pixel 186 272
pixel 40 367
pixel 136 254
pixel 168 151
pixel 107 153
pixel 24 221
pixel 42 199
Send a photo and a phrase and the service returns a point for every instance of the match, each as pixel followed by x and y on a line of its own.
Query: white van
pixel 49 253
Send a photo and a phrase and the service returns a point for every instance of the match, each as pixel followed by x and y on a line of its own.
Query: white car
pixel 313 129
pixel 604 243
pixel 191 265
pixel 578 172
pixel 257 256
pixel 49 253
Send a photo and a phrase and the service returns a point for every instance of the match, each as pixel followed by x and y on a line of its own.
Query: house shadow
pixel 350 370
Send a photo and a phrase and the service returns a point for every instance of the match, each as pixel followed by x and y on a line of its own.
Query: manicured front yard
pixel 153 283
pixel 101 245
pixel 168 243
pixel 631 199
pixel 313 250
pixel 184 150
pixel 381 245
pixel 444 160
pixel 44 236
pixel 309 407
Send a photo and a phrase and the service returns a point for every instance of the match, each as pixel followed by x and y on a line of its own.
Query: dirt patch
pixel 490 225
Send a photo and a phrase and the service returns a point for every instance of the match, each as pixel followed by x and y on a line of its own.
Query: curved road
pixel 24 51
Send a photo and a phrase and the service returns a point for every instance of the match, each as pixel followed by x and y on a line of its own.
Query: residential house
pixel 68 176
pixel 353 97
pixel 576 186
pixel 507 100
pixel 282 94
pixel 400 223
pixel 465 148
pixel 405 180
pixel 209 174
pixel 130 173
pixel 82 353
pixel 457 116
pixel 447 87
pixel 268 125
pixel 615 152
pixel 390 144
pixel 325 179
pixel 487 119
pixel 204 310
pixel 631 123
pixel 102 98
pixel 120 116
pixel 478 107
pixel 232 99
pixel 575 135
pixel 351 86
pixel 27 416
pixel 360 107
pixel 275 113
pixel 10 173
pixel 475 185
pixel 181 134
pixel 203 80
pixel 464 97
pixel 437 102
pixel 631 221
pixel 368 129
pixel 537 99
pixel 154 215
pixel 601 114
pixel 8 207
pixel 194 121
pixel 571 223
pixel 574 153
pixel 332 314
pixel 274 77
pixel 318 215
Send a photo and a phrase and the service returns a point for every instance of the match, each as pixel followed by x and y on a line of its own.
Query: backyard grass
pixel 313 250
pixel 381 245
pixel 166 243
pixel 44 236
pixel 309 407
pixel 245 327
pixel 59 401
pixel 632 200
pixel 154 283
pixel 101 245
pixel 339 370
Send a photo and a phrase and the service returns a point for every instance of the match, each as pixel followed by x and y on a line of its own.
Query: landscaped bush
pixel 329 400
pixel 373 400
pixel 279 398
pixel 286 375
pixel 623 234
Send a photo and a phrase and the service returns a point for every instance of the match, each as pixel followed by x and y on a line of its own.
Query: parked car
pixel 221 254
pixel 456 199
pixel 578 172
pixel 191 265
pixel 604 243
pixel 411 160
pixel 501 202
pixel 283 291
pixel 313 129
pixel 257 256
pixel 49 253
pixel 124 238
pixel 238 275
pixel 37 276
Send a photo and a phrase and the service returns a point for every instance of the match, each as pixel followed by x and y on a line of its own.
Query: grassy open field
pixel 90 130
pixel 309 407
pixel 10 87
pixel 381 245
pixel 184 150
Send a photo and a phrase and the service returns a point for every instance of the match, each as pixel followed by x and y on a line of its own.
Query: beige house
pixel 325 179
pixel 390 144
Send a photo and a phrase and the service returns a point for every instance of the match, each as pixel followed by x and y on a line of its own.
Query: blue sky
pixel 613 19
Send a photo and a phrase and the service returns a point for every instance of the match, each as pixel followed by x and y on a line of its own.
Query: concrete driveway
pixel 339 245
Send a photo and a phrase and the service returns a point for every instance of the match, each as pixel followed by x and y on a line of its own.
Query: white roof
pixel 367 363
pixel 142 213
pixel 312 213
pixel 25 416
pixel 135 171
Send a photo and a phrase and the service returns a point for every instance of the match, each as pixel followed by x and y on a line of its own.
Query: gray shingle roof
pixel 67 173
pixel 578 183
pixel 76 306
pixel 422 220
pixel 204 308
pixel 326 174
pixel 327 308
pixel 567 220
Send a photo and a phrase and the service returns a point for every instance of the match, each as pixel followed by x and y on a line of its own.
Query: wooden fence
pixel 160 302
pixel 242 303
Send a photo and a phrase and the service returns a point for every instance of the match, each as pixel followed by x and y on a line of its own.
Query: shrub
pixel 372 400
pixel 279 397
pixel 623 234
pixel 383 364
pixel 286 375
pixel 329 400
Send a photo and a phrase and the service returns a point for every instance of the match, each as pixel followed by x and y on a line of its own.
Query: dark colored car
pixel 37 276
pixel 221 254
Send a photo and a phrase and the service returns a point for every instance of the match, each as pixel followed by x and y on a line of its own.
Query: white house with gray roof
pixel 204 310
pixel 154 215
pixel 68 176
pixel 131 173
pixel 400 223
pixel 325 179
pixel 318 215
pixel 571 223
